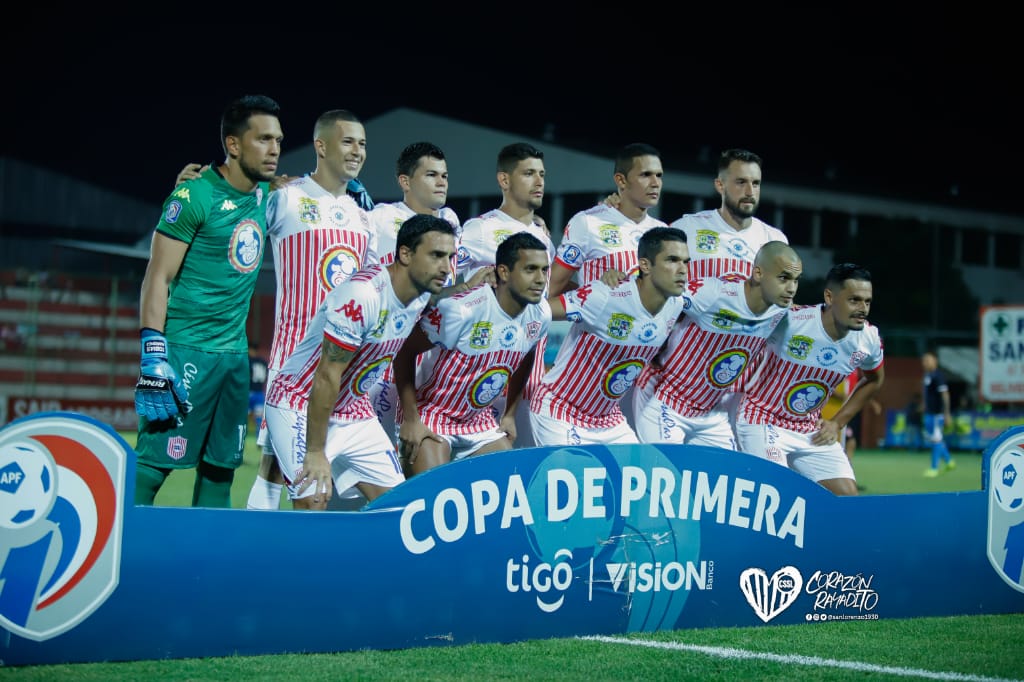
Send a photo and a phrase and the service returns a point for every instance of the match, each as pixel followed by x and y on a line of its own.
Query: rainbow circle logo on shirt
pixel 620 377
pixel 336 266
pixel 488 387
pixel 245 248
pixel 370 376
pixel 805 397
pixel 727 367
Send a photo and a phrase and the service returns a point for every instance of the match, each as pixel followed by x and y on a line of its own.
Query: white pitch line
pixel 723 652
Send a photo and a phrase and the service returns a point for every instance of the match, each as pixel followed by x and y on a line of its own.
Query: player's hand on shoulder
pixel 191 171
pixel 613 200
pixel 484 274
pixel 613 277
pixel 280 181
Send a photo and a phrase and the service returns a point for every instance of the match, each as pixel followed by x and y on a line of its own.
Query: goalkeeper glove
pixel 159 393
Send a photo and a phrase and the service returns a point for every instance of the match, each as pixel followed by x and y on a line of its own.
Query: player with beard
pixel 809 354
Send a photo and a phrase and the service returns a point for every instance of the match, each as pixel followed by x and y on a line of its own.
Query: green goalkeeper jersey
pixel 226 230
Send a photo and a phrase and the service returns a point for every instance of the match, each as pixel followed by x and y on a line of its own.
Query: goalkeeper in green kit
pixel 192 395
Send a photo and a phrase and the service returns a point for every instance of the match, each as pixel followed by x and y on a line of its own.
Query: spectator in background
pixel 936 414
pixel 204 261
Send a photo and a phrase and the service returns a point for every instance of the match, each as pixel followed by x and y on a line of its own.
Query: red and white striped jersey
pixel 710 347
pixel 479 347
pixel 388 218
pixel 362 315
pixel 599 239
pixel 318 240
pixel 611 339
pixel 477 248
pixel 802 366
pixel 719 250
pixel 481 236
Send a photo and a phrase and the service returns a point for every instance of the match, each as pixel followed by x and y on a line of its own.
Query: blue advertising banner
pixel 534 543
pixel 969 431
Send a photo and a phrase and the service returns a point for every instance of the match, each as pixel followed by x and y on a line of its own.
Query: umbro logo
pixel 228 205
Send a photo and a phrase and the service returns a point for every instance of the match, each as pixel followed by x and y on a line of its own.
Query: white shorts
pixel 795 450
pixel 465 444
pixel 262 437
pixel 359 452
pixel 550 431
pixel 656 422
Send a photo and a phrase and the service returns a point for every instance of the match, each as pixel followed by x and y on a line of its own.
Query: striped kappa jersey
pixel 479 347
pixel 611 339
pixel 388 218
pixel 719 250
pixel 318 240
pixel 363 315
pixel 481 236
pixel 600 239
pixel 802 366
pixel 710 347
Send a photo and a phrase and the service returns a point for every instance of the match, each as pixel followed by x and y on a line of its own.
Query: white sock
pixel 264 494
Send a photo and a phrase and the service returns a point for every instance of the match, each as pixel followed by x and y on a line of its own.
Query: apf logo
pixel 1005 486
pixel 61 510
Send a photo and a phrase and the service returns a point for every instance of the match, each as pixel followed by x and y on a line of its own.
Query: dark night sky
pixel 902 111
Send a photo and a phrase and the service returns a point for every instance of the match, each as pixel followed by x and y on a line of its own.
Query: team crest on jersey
pixel 857 358
pixel 398 224
pixel 726 368
pixel 382 321
pixel 707 241
pixel 370 376
pixel 620 377
pixel 827 356
pixel 726 320
pixel 572 256
pixel 502 235
pixel 533 330
pixel 508 336
pixel 488 387
pixel 610 235
pixel 799 347
pixel 805 397
pixel 336 266
pixel 309 211
pixel 620 325
pixel 245 249
pixel 481 335
pixel 648 332
pixel 738 248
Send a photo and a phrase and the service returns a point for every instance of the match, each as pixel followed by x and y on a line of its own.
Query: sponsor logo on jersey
pixel 620 325
pixel 488 387
pixel 62 486
pixel 620 377
pixel 738 248
pixel 338 217
pixel 725 368
pixel 481 335
pixel 337 265
pixel 245 250
pixel 508 336
pixel 805 397
pixel 827 356
pixel 648 332
pixel 799 347
pixel 228 205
